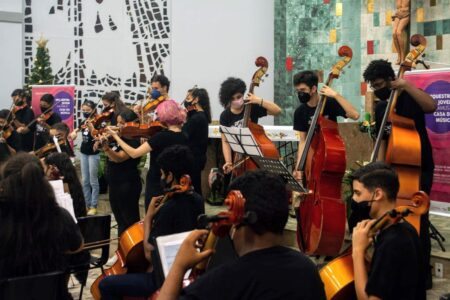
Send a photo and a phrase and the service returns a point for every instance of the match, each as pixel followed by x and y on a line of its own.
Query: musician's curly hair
pixel 177 159
pixel 230 87
pixel 379 68
pixel 267 196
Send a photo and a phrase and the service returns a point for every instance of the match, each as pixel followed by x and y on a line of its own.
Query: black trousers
pixel 124 200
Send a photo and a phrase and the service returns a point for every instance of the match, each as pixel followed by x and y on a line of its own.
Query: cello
pixel 268 149
pixel 403 150
pixel 322 214
pixel 338 275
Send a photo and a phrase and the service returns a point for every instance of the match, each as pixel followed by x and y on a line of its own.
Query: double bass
pixel 338 275
pixel 322 214
pixel 403 150
pixel 268 149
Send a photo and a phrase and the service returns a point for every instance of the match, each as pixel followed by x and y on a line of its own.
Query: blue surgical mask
pixel 155 94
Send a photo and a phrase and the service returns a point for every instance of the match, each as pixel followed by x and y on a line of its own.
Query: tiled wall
pixel 311 32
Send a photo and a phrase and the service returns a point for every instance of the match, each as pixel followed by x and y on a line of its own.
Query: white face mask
pixel 236 104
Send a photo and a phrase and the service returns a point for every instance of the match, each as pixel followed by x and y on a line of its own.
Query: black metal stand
pixel 437 236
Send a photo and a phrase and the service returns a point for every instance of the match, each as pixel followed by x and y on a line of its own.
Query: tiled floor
pixel 440 285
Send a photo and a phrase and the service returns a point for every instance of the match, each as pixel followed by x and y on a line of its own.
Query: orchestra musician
pixel 265 269
pixel 61 132
pixel 178 214
pixel 306 86
pixel 44 121
pixel 397 268
pixel 9 138
pixel 231 96
pixel 23 115
pixel 412 103
pixel 196 131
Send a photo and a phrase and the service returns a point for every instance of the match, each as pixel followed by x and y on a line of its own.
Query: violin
pixel 403 150
pixel 133 130
pixel 44 116
pixel 152 104
pixel 6 131
pixel 322 215
pixel 100 119
pixel 338 275
pixel 268 149
pixel 130 252
pixel 48 148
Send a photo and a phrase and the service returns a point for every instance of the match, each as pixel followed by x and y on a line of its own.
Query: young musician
pixel 111 101
pixel 61 132
pixel 9 138
pixel 123 176
pixel 89 158
pixel 196 131
pixel 306 86
pixel 47 118
pixel 178 214
pixel 231 96
pixel 265 269
pixel 412 103
pixel 23 115
pixel 170 114
pixel 160 87
pixel 396 268
pixel 36 234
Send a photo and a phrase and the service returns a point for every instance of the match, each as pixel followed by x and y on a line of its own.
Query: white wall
pixel 11 5
pixel 215 39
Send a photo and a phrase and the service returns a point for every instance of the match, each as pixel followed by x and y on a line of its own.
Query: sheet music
pixel 168 246
pixel 241 140
pixel 63 199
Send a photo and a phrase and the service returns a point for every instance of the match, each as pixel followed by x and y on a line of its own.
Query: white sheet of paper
pixel 63 199
pixel 168 246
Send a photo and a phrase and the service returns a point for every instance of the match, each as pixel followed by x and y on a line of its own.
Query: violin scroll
pixel 263 65
pixel 347 54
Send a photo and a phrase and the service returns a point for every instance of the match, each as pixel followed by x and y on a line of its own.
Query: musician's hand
pixel 2 140
pixel 155 205
pixel 252 99
pixel 227 167
pixel 73 135
pixel 21 129
pixel 188 255
pixel 327 91
pixel 110 130
pixel 399 83
pixel 361 238
pixel 148 250
pixel 96 145
pixel 298 175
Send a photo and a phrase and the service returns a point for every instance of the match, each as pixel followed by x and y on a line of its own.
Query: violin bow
pixel 35 119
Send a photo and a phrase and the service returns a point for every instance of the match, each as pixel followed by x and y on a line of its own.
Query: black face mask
pixel 43 109
pixel 164 184
pixel 361 209
pixel 20 102
pixel 303 97
pixel 383 93
pixel 86 115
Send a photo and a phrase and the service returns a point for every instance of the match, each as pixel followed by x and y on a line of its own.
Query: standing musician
pixel 231 96
pixel 23 115
pixel 306 85
pixel 123 175
pixel 178 214
pixel 9 138
pixel 196 131
pixel 171 115
pixel 396 269
pixel 265 269
pixel 113 106
pixel 412 103
pixel 160 87
pixel 47 118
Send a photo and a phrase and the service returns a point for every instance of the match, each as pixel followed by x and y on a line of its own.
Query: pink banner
pixel 437 84
pixel 64 100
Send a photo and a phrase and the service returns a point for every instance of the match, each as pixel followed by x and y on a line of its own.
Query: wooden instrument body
pixel 133 130
pixel 338 278
pixel 130 256
pixel 323 213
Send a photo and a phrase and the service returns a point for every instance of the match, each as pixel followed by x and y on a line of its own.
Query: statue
pixel 400 21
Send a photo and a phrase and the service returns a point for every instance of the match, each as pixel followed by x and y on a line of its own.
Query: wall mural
pixel 100 45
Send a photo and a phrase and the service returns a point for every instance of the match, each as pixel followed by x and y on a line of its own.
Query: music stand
pixel 241 140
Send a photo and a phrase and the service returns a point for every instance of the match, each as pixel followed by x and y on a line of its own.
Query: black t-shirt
pixel 396 270
pixel 408 107
pixel 196 131
pixel 25 116
pixel 126 170
pixel 229 119
pixel 304 113
pixel 87 142
pixel 178 214
pixel 42 133
pixel 271 273
pixel 13 141
pixel 158 143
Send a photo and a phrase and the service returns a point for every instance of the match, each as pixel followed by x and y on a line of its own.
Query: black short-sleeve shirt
pixel 271 273
pixel 25 116
pixel 158 143
pixel 229 119
pixel 13 141
pixel 196 131
pixel 304 113
pixel 178 214
pixel 126 170
pixel 87 142
pixel 396 270
pixel 42 133
pixel 408 107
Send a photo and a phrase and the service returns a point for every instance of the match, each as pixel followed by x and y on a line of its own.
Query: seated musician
pixel 412 103
pixel 306 85
pixel 231 94
pixel 265 269
pixel 61 132
pixel 9 139
pixel 23 115
pixel 36 234
pixel 396 270
pixel 178 214
pixel 47 118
